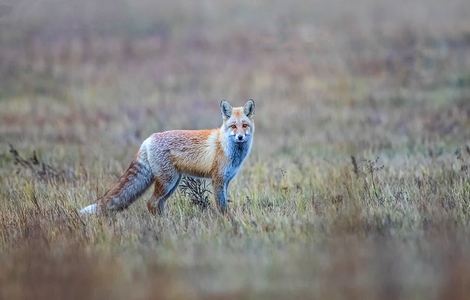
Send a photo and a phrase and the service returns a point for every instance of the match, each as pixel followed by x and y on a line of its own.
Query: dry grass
pixel 357 187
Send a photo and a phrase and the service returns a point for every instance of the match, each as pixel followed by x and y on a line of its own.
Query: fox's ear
pixel 225 109
pixel 249 108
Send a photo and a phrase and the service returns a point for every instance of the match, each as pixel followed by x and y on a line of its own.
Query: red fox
pixel 164 157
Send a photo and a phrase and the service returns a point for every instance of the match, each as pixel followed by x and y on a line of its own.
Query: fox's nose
pixel 240 137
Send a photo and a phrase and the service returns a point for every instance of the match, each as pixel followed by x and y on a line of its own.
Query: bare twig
pixel 40 169
pixel 197 190
pixel 354 163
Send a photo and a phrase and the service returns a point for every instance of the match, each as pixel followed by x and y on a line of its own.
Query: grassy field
pixel 358 186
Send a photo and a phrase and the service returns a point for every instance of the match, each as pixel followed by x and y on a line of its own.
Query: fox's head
pixel 238 123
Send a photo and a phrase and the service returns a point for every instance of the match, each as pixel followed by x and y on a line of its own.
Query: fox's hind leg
pixel 163 190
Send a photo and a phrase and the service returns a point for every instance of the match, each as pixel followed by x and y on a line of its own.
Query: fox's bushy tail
pixel 133 183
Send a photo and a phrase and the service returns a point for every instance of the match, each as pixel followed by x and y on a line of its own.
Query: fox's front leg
pixel 220 192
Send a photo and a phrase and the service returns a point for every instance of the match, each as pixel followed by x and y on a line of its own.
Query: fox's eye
pixel 245 125
pixel 233 126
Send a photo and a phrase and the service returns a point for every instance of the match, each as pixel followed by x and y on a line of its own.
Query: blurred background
pixel 357 186
pixel 136 66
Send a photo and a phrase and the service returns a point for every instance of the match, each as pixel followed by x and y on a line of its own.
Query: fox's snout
pixel 241 137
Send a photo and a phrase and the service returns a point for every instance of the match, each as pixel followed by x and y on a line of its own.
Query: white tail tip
pixel 89 210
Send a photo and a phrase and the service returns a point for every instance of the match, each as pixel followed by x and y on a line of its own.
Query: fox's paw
pixel 152 209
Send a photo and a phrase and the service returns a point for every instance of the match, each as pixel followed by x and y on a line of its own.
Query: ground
pixel 358 185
